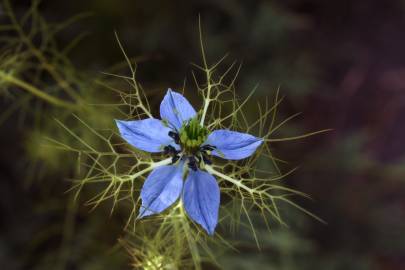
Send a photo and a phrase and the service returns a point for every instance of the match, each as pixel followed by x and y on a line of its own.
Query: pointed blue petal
pixel 161 189
pixel 148 135
pixel 233 145
pixel 176 109
pixel 201 199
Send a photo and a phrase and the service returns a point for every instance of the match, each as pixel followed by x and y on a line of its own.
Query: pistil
pixel 190 138
pixel 192 135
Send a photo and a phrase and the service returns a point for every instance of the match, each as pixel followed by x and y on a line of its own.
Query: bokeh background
pixel 340 63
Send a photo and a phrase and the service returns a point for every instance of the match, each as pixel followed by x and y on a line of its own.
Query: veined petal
pixel 201 199
pixel 233 145
pixel 148 135
pixel 176 109
pixel 161 189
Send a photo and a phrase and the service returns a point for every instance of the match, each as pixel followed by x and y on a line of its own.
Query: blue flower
pixel 180 135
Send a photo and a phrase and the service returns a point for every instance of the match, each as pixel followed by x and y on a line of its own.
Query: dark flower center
pixel 190 138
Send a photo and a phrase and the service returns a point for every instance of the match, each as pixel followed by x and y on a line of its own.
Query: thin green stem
pixel 227 178
pixel 298 137
pixel 36 92
pixel 39 55
pixel 154 165
pixel 207 99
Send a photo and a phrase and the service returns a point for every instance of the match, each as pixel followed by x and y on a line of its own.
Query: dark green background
pixel 340 63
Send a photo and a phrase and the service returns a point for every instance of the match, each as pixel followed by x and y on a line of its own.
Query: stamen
pixel 170 150
pixel 175 136
pixel 192 163
pixel 175 158
pixel 207 147
pixel 206 159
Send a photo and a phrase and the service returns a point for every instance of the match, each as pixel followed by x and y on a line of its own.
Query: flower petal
pixel 161 189
pixel 233 145
pixel 176 109
pixel 148 135
pixel 201 199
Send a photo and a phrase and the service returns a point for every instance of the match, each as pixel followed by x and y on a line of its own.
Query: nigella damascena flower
pixel 190 145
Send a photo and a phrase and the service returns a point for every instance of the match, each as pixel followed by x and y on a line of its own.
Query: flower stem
pixel 207 99
pixel 298 137
pixel 151 167
pixel 227 178
pixel 35 91
pixel 39 54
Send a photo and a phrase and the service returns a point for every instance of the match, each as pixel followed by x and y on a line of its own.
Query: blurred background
pixel 340 63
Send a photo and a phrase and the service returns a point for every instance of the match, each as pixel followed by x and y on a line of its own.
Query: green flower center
pixel 192 135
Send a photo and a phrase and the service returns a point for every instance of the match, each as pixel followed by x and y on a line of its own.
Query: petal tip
pixel 143 212
pixel 209 227
pixel 211 231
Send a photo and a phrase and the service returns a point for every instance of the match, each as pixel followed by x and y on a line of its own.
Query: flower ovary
pixel 192 135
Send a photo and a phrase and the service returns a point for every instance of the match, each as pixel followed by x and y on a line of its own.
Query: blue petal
pixel 201 199
pixel 233 145
pixel 161 189
pixel 148 135
pixel 176 109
